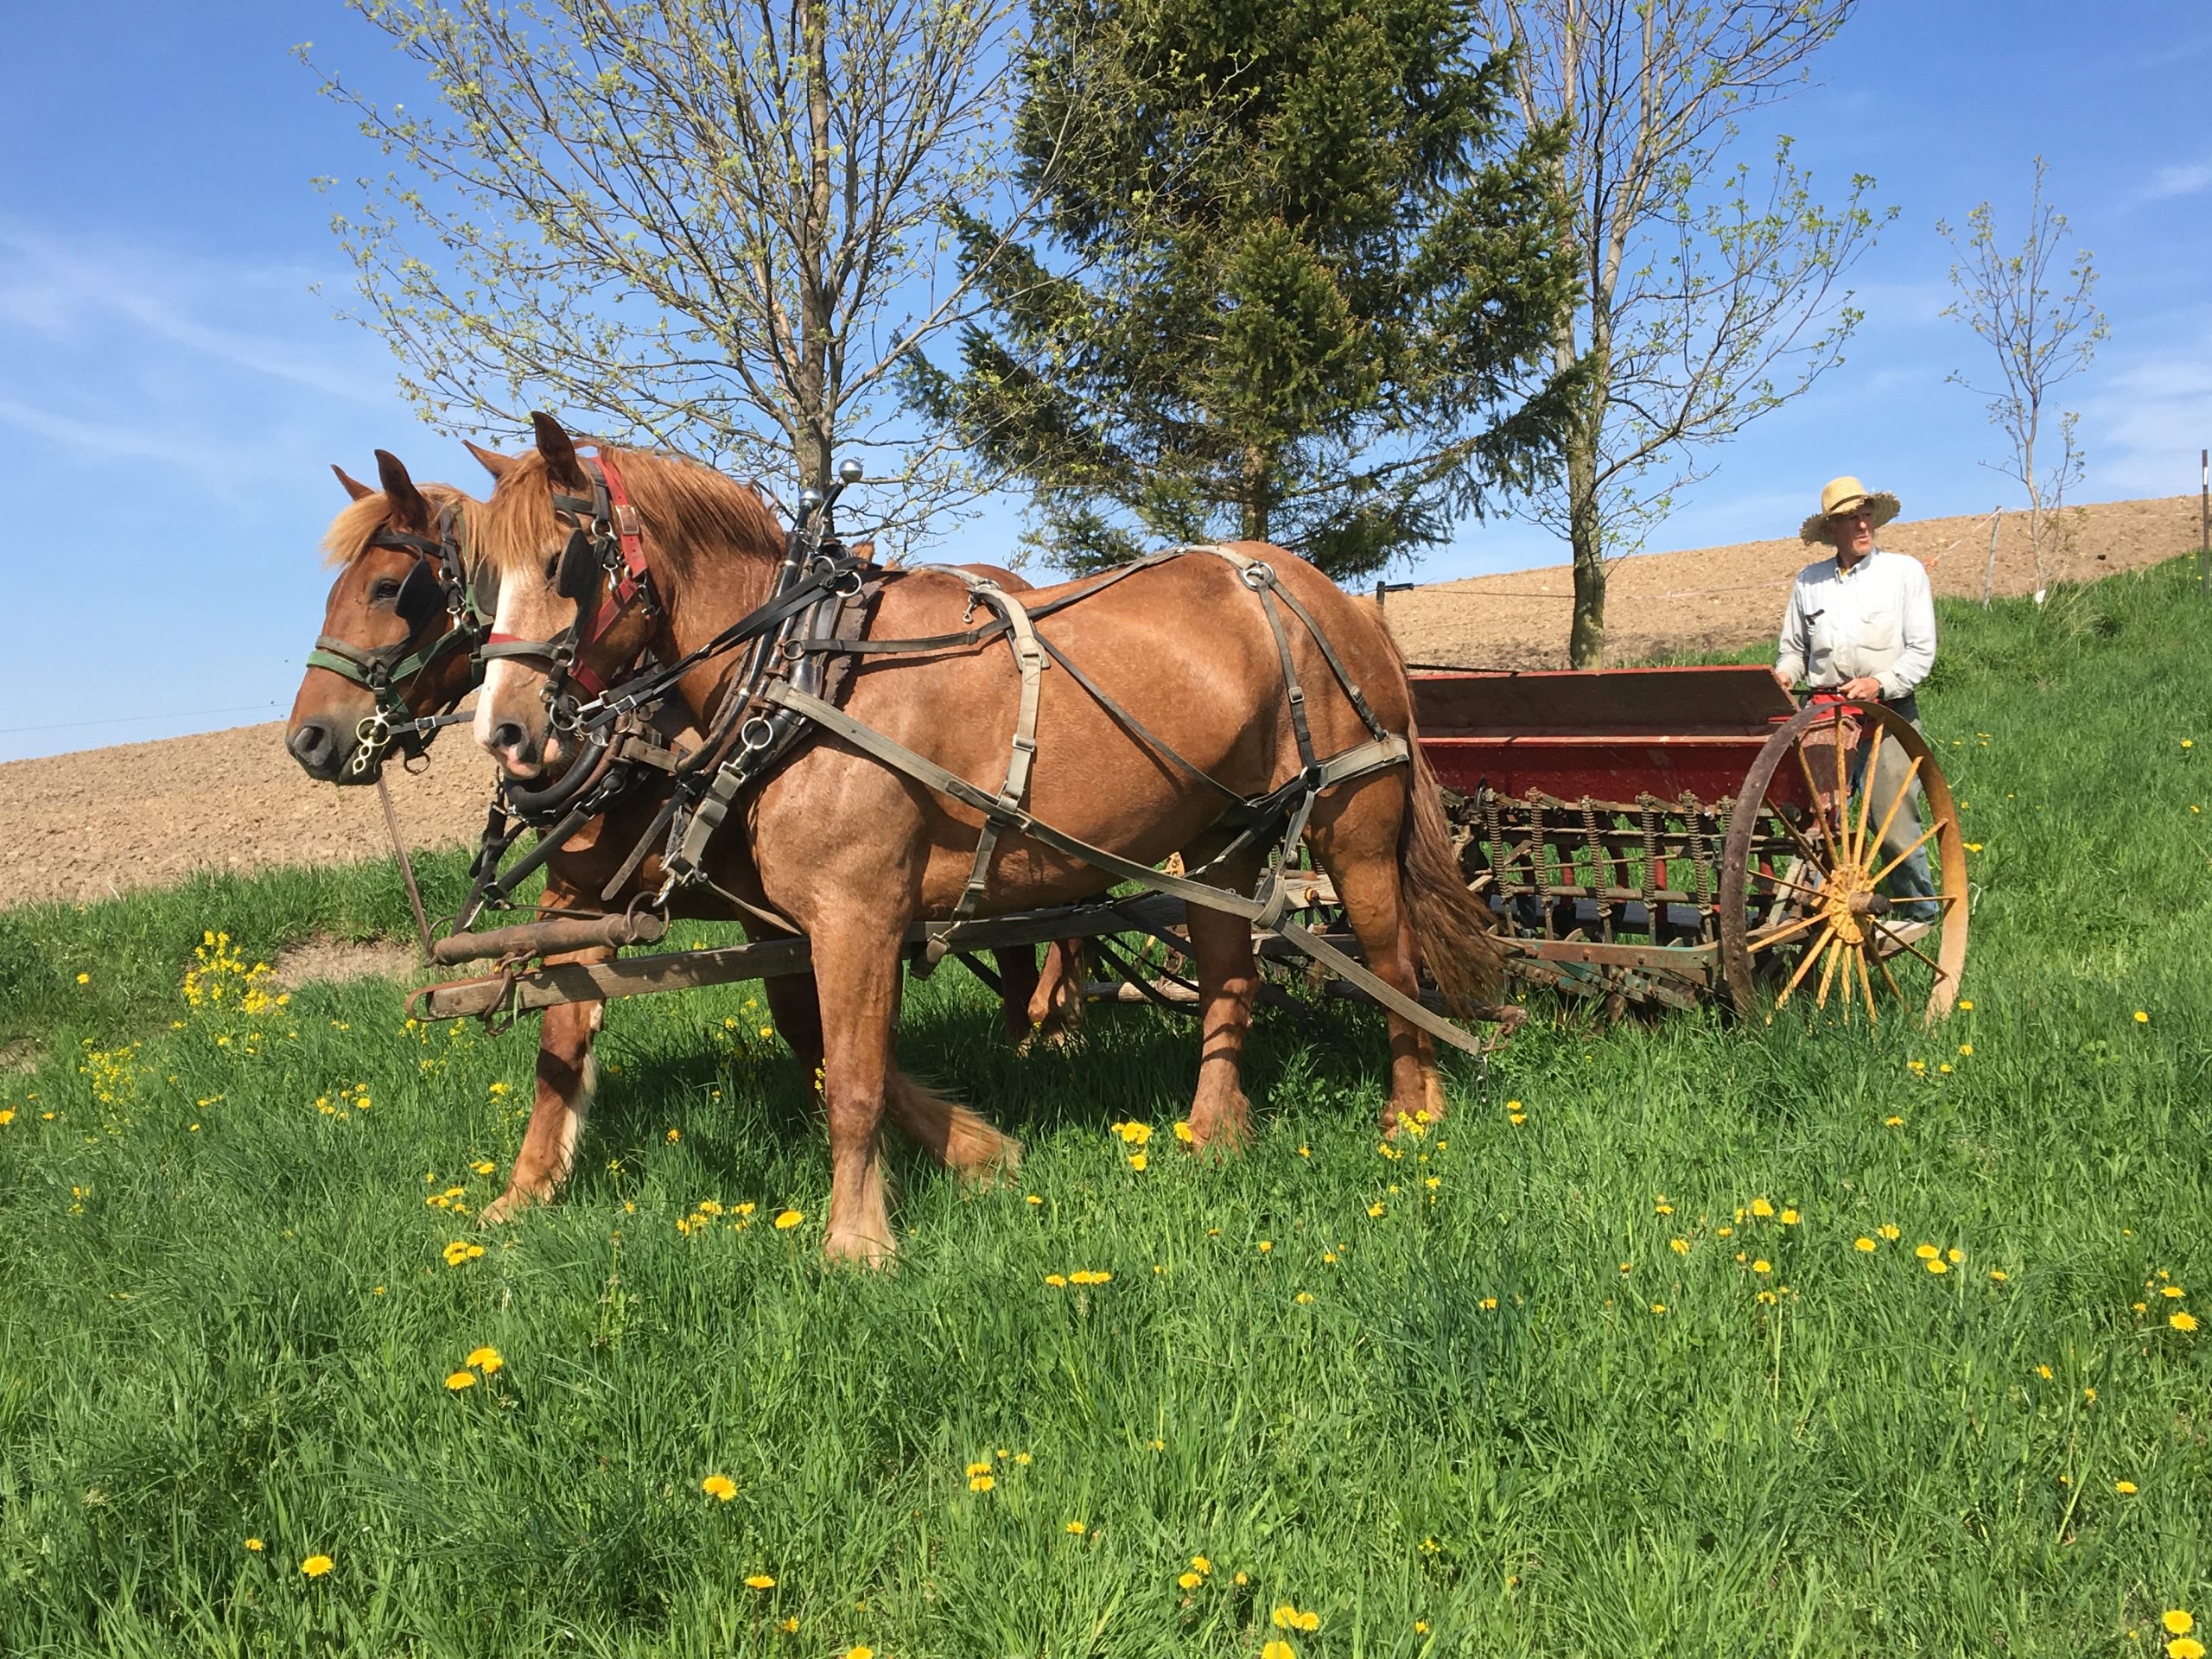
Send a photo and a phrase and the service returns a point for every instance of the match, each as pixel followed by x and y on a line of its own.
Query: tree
pixel 2039 340
pixel 694 220
pixel 1704 299
pixel 1284 289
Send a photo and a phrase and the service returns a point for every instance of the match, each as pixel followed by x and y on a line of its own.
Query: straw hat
pixel 1839 495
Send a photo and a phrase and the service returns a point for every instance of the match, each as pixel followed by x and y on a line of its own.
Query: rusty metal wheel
pixel 1813 923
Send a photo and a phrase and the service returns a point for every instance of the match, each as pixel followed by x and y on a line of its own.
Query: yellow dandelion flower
pixel 1726 1232
pixel 1489 1304
pixel 981 1482
pixel 1187 1580
pixel 2171 1290
pixel 720 1488
pixel 1679 1246
pixel 84 979
pixel 1182 1132
pixel 1999 1274
pixel 1889 1230
pixel 980 1466
pixel 2043 1371
pixel 2141 1017
pixel 2181 1320
pixel 461 1380
pixel 1516 1118
pixel 1021 1457
pixel 790 1626
pixel 1057 1280
pixel 315 1566
pixel 1075 1528
pixel 1658 1307
pixel 1139 1162
pixel 1033 1198
pixel 1421 1627
pixel 1955 1255
pixel 1789 1218
pixel 256 1545
pixel 1303 1298
pixel 1966 1048
pixel 1926 1252
pixel 1767 1298
pixel 2184 1647
pixel 1862 1243
pixel 1374 1210
pixel 1939 1265
pixel 860 1650
pixel 760 1581
pixel 1893 1122
pixel 486 1359
pixel 2090 1395
pixel 2178 1621
pixel 674 1135
pixel 1278 1648
pixel 1762 1266
pixel 2125 1488
pixel 482 1166
pixel 1761 1207
pixel 789 1219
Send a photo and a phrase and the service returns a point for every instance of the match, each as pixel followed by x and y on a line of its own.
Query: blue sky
pixel 174 379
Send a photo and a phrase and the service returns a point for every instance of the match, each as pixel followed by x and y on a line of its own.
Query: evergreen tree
pixel 1291 288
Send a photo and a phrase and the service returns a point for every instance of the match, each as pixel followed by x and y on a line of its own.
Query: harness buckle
pixel 756 734
pixel 1258 575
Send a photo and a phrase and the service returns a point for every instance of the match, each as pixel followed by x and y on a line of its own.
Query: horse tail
pixel 1452 927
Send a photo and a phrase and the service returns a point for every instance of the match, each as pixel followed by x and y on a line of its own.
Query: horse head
pixel 397 629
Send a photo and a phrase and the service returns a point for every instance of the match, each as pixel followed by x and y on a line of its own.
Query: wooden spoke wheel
pixel 1806 916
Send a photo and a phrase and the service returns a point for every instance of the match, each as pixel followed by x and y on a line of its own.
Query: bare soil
pixel 85 826
pixel 327 959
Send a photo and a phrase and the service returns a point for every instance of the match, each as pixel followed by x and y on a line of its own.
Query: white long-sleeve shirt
pixel 1877 618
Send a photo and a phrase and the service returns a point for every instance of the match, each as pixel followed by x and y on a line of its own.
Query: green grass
pixel 225 1312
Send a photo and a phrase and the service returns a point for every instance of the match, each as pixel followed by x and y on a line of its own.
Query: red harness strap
pixel 630 535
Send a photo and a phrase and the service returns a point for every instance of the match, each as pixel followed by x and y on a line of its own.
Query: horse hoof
pixel 508 1205
pixel 859 1250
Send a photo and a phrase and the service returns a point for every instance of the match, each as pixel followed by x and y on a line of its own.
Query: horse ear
pixel 408 505
pixel 490 460
pixel 559 450
pixel 354 487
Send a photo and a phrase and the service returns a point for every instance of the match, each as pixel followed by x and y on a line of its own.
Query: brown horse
pixel 369 541
pixel 853 851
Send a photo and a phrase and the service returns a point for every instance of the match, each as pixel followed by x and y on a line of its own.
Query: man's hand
pixel 1866 687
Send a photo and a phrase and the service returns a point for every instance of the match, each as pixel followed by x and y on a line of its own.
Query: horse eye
pixel 552 565
pixel 384 590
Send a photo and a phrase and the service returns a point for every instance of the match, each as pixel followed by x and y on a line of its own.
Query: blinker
pixel 419 597
pixel 577 574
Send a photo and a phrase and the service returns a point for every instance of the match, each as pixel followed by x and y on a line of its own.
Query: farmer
pixel 1862 624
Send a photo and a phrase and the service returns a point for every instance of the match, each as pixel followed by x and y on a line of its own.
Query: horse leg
pixel 1228 980
pixel 1018 991
pixel 796 1009
pixel 857 971
pixel 1356 839
pixel 568 1073
pixel 1056 1007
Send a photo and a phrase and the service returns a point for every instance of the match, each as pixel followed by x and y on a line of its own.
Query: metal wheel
pixel 1812 924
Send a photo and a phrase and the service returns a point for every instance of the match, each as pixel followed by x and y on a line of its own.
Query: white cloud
pixel 2183 180
pixel 2144 422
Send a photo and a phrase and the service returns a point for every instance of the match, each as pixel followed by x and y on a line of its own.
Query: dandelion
pixel 860 1650
pixel 1762 1266
pixel 2178 1621
pixel 1679 1246
pixel 1075 1528
pixel 1134 1135
pixel 1303 1298
pixel 1999 1274
pixel 84 979
pixel 1966 1006
pixel 1973 846
pixel 2090 1396
pixel 790 1626
pixel 256 1545
pixel 1139 1162
pixel 720 1488
pixel 1183 1132
pixel 1421 1627
pixel 486 1359
pixel 1278 1648
pixel 2142 1018
pixel 1021 1457
pixel 1265 1245
pixel 1033 1198
pixel 760 1581
pixel 2043 1371
pixel 1761 1207
pixel 1092 1276
pixel 1926 1252
pixel 1893 1122
pixel 1489 1304
pixel 1516 1118
pixel 2181 1320
pixel 2125 1488
pixel 1939 1265
pixel 315 1566
pixel 1374 1210
pixel 1966 1048
pixel 2171 1290
pixel 461 1380
pixel 1658 1307
pixel 1057 1280
pixel 1889 1230
pixel 2185 1647
pixel 1863 1244
pixel 1188 1580
pixel 789 1219
pixel 1287 1617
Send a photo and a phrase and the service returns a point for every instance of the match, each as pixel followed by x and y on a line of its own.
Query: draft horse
pixel 1155 702
pixel 406 615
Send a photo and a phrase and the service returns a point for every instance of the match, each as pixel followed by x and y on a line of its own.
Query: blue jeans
pixel 1911 881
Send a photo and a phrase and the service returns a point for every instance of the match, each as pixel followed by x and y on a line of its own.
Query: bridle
pixel 388 673
pixel 606 548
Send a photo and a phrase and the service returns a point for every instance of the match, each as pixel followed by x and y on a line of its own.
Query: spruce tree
pixel 1291 284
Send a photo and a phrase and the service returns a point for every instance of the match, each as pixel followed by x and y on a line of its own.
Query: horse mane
pixel 686 505
pixel 348 538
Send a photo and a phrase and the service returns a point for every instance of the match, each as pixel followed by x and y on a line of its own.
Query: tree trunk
pixel 816 433
pixel 1586 640
pixel 1253 514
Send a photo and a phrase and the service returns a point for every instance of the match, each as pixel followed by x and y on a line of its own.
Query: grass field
pixel 1551 1381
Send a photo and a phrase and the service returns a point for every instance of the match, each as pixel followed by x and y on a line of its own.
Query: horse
pixel 380 542
pixel 853 850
